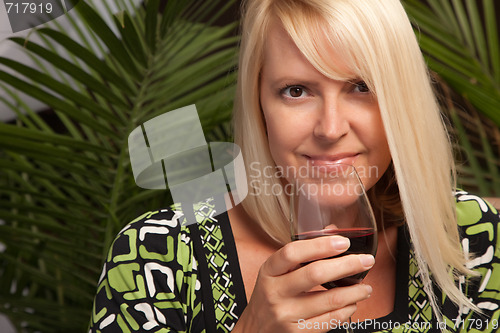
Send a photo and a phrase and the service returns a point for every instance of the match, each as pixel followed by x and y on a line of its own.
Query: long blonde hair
pixel 377 36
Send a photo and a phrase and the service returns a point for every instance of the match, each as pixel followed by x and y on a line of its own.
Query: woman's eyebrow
pixel 293 81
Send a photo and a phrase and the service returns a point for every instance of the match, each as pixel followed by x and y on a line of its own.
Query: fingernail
pixel 367 260
pixel 340 243
pixel 369 289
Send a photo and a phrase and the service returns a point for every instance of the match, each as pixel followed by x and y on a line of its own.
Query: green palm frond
pixel 476 141
pixel 460 41
pixel 479 150
pixel 64 195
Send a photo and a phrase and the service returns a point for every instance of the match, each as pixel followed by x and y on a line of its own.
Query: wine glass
pixel 333 201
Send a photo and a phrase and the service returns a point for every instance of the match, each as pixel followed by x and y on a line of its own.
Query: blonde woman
pixel 320 82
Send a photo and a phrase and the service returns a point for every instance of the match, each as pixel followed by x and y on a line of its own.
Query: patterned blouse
pixel 164 276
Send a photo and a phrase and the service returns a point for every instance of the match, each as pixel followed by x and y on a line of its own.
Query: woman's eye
pixel 293 92
pixel 361 87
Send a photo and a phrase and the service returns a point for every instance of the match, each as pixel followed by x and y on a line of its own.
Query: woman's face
pixel 316 121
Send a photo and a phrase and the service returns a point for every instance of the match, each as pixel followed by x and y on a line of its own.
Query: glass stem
pixel 348 328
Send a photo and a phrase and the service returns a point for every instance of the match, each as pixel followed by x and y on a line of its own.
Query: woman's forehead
pixel 317 51
pixel 280 44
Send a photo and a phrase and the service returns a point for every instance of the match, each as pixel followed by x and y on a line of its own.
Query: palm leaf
pixel 476 142
pixel 461 44
pixel 65 195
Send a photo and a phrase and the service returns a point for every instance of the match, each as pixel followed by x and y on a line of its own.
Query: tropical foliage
pixel 64 195
pixel 460 39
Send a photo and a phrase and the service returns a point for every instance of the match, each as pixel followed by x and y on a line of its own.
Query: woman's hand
pixel 282 300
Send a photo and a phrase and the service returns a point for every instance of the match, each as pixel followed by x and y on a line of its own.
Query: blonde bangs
pixel 319 35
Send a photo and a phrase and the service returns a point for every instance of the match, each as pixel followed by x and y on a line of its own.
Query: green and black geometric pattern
pixel 221 279
pixel 150 281
pixel 164 276
pixel 479 227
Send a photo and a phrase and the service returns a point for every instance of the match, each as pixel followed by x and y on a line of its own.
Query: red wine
pixel 362 241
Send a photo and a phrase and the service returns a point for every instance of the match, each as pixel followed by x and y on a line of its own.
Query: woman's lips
pixel 332 160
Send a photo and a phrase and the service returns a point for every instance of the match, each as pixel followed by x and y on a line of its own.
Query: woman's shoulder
pixel 478 223
pixel 151 271
pixel 150 232
pixel 170 218
pixel 473 211
pixel 165 233
pixel 154 240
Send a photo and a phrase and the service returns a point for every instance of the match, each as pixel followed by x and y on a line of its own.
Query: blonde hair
pixel 377 36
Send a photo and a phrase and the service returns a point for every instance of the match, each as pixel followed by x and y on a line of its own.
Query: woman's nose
pixel 331 122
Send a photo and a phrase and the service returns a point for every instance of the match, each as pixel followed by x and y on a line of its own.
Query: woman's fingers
pixel 322 271
pixel 292 254
pixel 313 304
pixel 283 287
